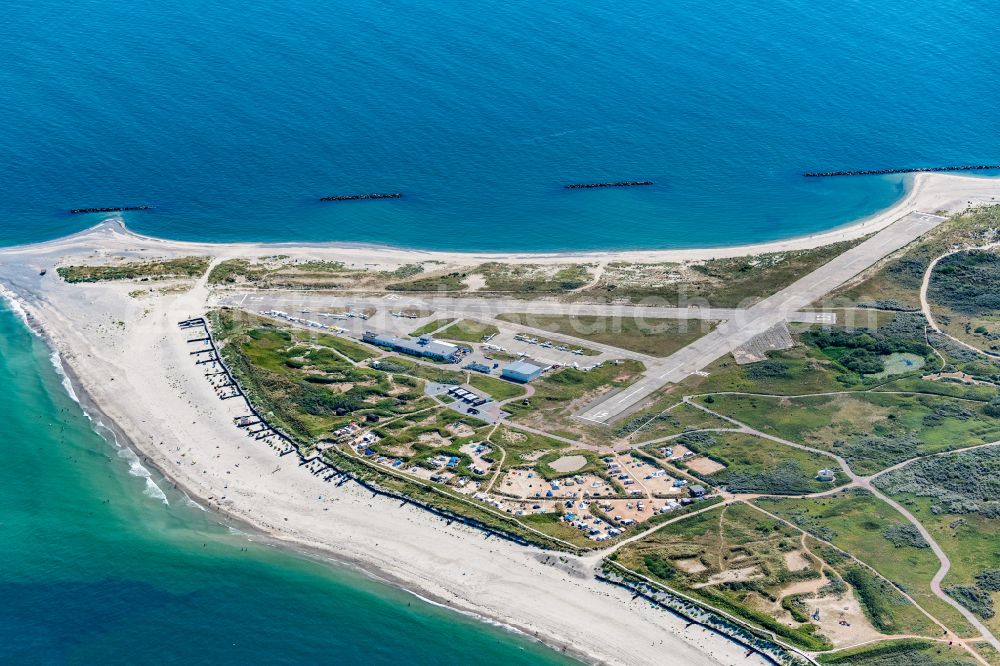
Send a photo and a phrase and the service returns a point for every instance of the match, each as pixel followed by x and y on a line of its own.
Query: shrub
pixel 905 534
pixel 976 600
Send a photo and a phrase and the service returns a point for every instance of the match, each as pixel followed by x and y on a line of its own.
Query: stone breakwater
pixel 112 209
pixel 881 172
pixel 360 197
pixel 620 183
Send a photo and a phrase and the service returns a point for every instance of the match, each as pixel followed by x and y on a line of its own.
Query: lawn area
pixel 870 430
pixel 399 364
pixel 355 351
pixel 757 465
pixel 656 337
pixel 182 267
pixel 736 559
pixel 802 369
pixel 557 393
pixel 871 530
pixel 468 330
pixel 957 498
pixel 431 326
pixel 668 416
pixel 499 389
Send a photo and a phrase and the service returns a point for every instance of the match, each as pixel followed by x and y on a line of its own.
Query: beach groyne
pixel 363 197
pixel 618 183
pixel 883 172
pixel 109 209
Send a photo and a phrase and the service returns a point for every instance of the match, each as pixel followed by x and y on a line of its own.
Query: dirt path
pixel 866 483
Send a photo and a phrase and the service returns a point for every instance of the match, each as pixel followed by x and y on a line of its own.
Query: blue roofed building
pixel 521 371
pixel 424 346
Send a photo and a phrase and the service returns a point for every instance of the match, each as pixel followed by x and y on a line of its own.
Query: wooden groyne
pixel 362 197
pixel 882 172
pixel 111 209
pixel 619 183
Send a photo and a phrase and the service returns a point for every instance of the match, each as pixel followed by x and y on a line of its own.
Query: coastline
pixel 546 574
pixel 255 532
pixel 127 361
pixel 926 191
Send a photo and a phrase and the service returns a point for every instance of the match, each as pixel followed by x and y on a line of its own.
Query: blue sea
pixel 102 562
pixel 232 118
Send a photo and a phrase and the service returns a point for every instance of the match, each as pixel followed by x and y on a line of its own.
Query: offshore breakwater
pixel 110 209
pixel 884 172
pixel 363 197
pixel 619 183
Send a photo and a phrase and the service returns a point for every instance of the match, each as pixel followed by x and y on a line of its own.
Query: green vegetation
pixel 967 282
pixel 452 281
pixel 593 465
pixel 182 267
pixel 352 350
pixel 398 364
pixel 870 430
pixel 717 282
pixel 557 393
pixel 279 272
pixel 858 523
pixel 498 389
pixel 956 499
pixel 468 330
pixel 431 326
pixel 900 652
pixel 656 337
pixel 531 278
pixel 665 418
pixel 307 387
pixel 732 558
pixel 523 448
pixel 756 465
pixel 895 284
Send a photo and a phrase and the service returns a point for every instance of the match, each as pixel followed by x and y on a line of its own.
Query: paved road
pixel 483 307
pixel 747 323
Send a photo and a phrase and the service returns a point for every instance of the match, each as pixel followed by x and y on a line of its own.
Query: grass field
pixel 355 351
pixel 667 417
pixel 468 330
pixel 182 267
pixel 557 393
pixel 656 337
pixel 499 389
pixel 757 465
pixel 956 498
pixel 733 558
pixel 431 326
pixel 871 530
pixel 870 430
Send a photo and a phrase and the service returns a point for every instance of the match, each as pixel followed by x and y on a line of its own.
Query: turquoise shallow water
pixel 96 569
pixel 233 117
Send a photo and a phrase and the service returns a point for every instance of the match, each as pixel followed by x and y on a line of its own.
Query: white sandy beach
pixel 927 192
pixel 132 360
